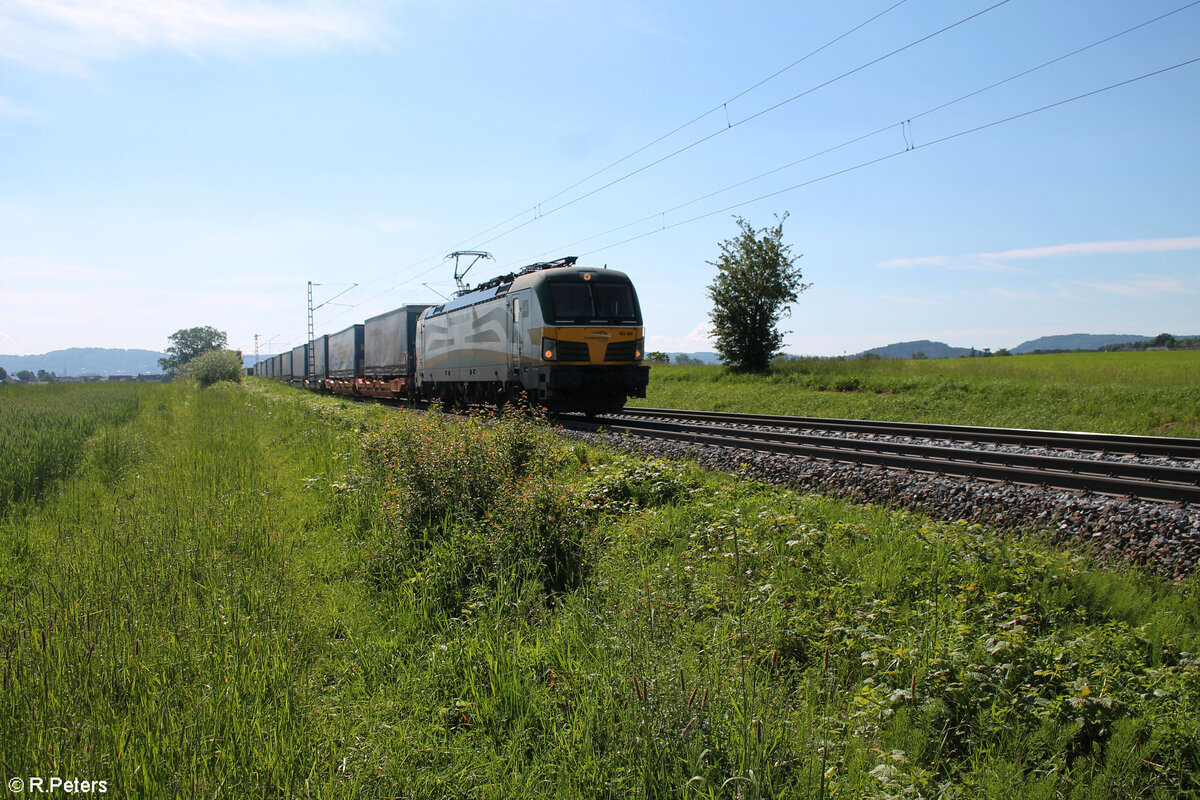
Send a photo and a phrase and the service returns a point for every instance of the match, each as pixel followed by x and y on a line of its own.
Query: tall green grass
pixel 43 430
pixel 255 592
pixel 165 619
pixel 1149 393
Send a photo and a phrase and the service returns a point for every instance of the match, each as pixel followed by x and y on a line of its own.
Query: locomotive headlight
pixel 639 348
pixel 549 349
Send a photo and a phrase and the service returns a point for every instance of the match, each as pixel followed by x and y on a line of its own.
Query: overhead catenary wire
pixel 743 121
pixel 906 127
pixel 724 105
pixel 540 214
pixel 662 214
pixel 892 155
pixel 535 209
pixel 543 214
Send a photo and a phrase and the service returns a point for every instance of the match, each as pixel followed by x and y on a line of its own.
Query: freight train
pixel 564 337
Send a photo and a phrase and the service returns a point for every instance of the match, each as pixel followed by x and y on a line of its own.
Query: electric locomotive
pixel 568 338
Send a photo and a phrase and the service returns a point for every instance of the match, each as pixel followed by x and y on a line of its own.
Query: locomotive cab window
pixel 595 301
pixel 572 301
pixel 614 301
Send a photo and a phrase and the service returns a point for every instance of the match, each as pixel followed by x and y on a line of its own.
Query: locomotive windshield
pixel 577 301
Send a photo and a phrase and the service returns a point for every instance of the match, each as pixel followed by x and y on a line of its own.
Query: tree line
pixel 26 376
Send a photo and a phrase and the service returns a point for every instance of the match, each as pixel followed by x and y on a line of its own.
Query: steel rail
pixel 1169 484
pixel 1168 446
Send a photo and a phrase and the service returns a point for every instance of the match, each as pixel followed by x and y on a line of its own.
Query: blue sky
pixel 171 163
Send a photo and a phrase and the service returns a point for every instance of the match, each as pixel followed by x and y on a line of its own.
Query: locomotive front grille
pixel 621 351
pixel 573 351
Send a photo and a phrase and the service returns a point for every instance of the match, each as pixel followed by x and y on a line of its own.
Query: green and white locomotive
pixel 565 337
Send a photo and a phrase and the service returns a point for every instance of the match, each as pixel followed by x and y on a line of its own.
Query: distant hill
pixel 87 361
pixel 1078 341
pixel 907 349
pixel 707 358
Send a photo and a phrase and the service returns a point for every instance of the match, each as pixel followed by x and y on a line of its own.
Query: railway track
pixel 1159 469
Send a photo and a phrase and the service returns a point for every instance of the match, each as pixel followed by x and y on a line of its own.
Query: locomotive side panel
pixel 467 344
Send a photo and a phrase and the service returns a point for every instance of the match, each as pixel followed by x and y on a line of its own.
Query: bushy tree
pixel 3 374
pixel 25 375
pixel 757 279
pixel 216 365
pixel 188 344
pixel 658 357
pixel 1164 340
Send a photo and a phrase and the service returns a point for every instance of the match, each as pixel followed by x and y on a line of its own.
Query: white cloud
pixel 1141 286
pixel 1132 246
pixel 970 263
pixel 256 281
pixel 924 261
pixel 11 109
pixel 20 269
pixel 695 340
pixel 997 262
pixel 414 225
pixel 70 35
pixel 1015 294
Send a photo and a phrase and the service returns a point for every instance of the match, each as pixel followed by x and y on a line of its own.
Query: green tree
pixel 216 365
pixel 658 357
pixel 3 374
pixel 188 344
pixel 25 375
pixel 757 279
pixel 42 375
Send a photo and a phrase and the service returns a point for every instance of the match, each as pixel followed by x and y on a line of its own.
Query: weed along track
pixel 1135 497
pixel 262 592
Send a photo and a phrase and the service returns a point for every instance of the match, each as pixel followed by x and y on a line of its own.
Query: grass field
pixel 1149 393
pixel 43 429
pixel 256 592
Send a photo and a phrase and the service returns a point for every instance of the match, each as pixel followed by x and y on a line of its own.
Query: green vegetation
pixel 43 430
pixel 252 591
pixel 1153 393
pixel 757 280
pixel 214 366
pixel 1162 340
pixel 188 344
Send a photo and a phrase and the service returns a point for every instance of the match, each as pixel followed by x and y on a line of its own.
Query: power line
pixel 754 116
pixel 535 207
pixel 725 104
pixel 855 140
pixel 1060 58
pixel 798 161
pixel 897 153
pixel 730 126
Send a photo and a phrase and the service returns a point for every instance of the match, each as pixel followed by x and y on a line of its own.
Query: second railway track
pixel 1099 463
